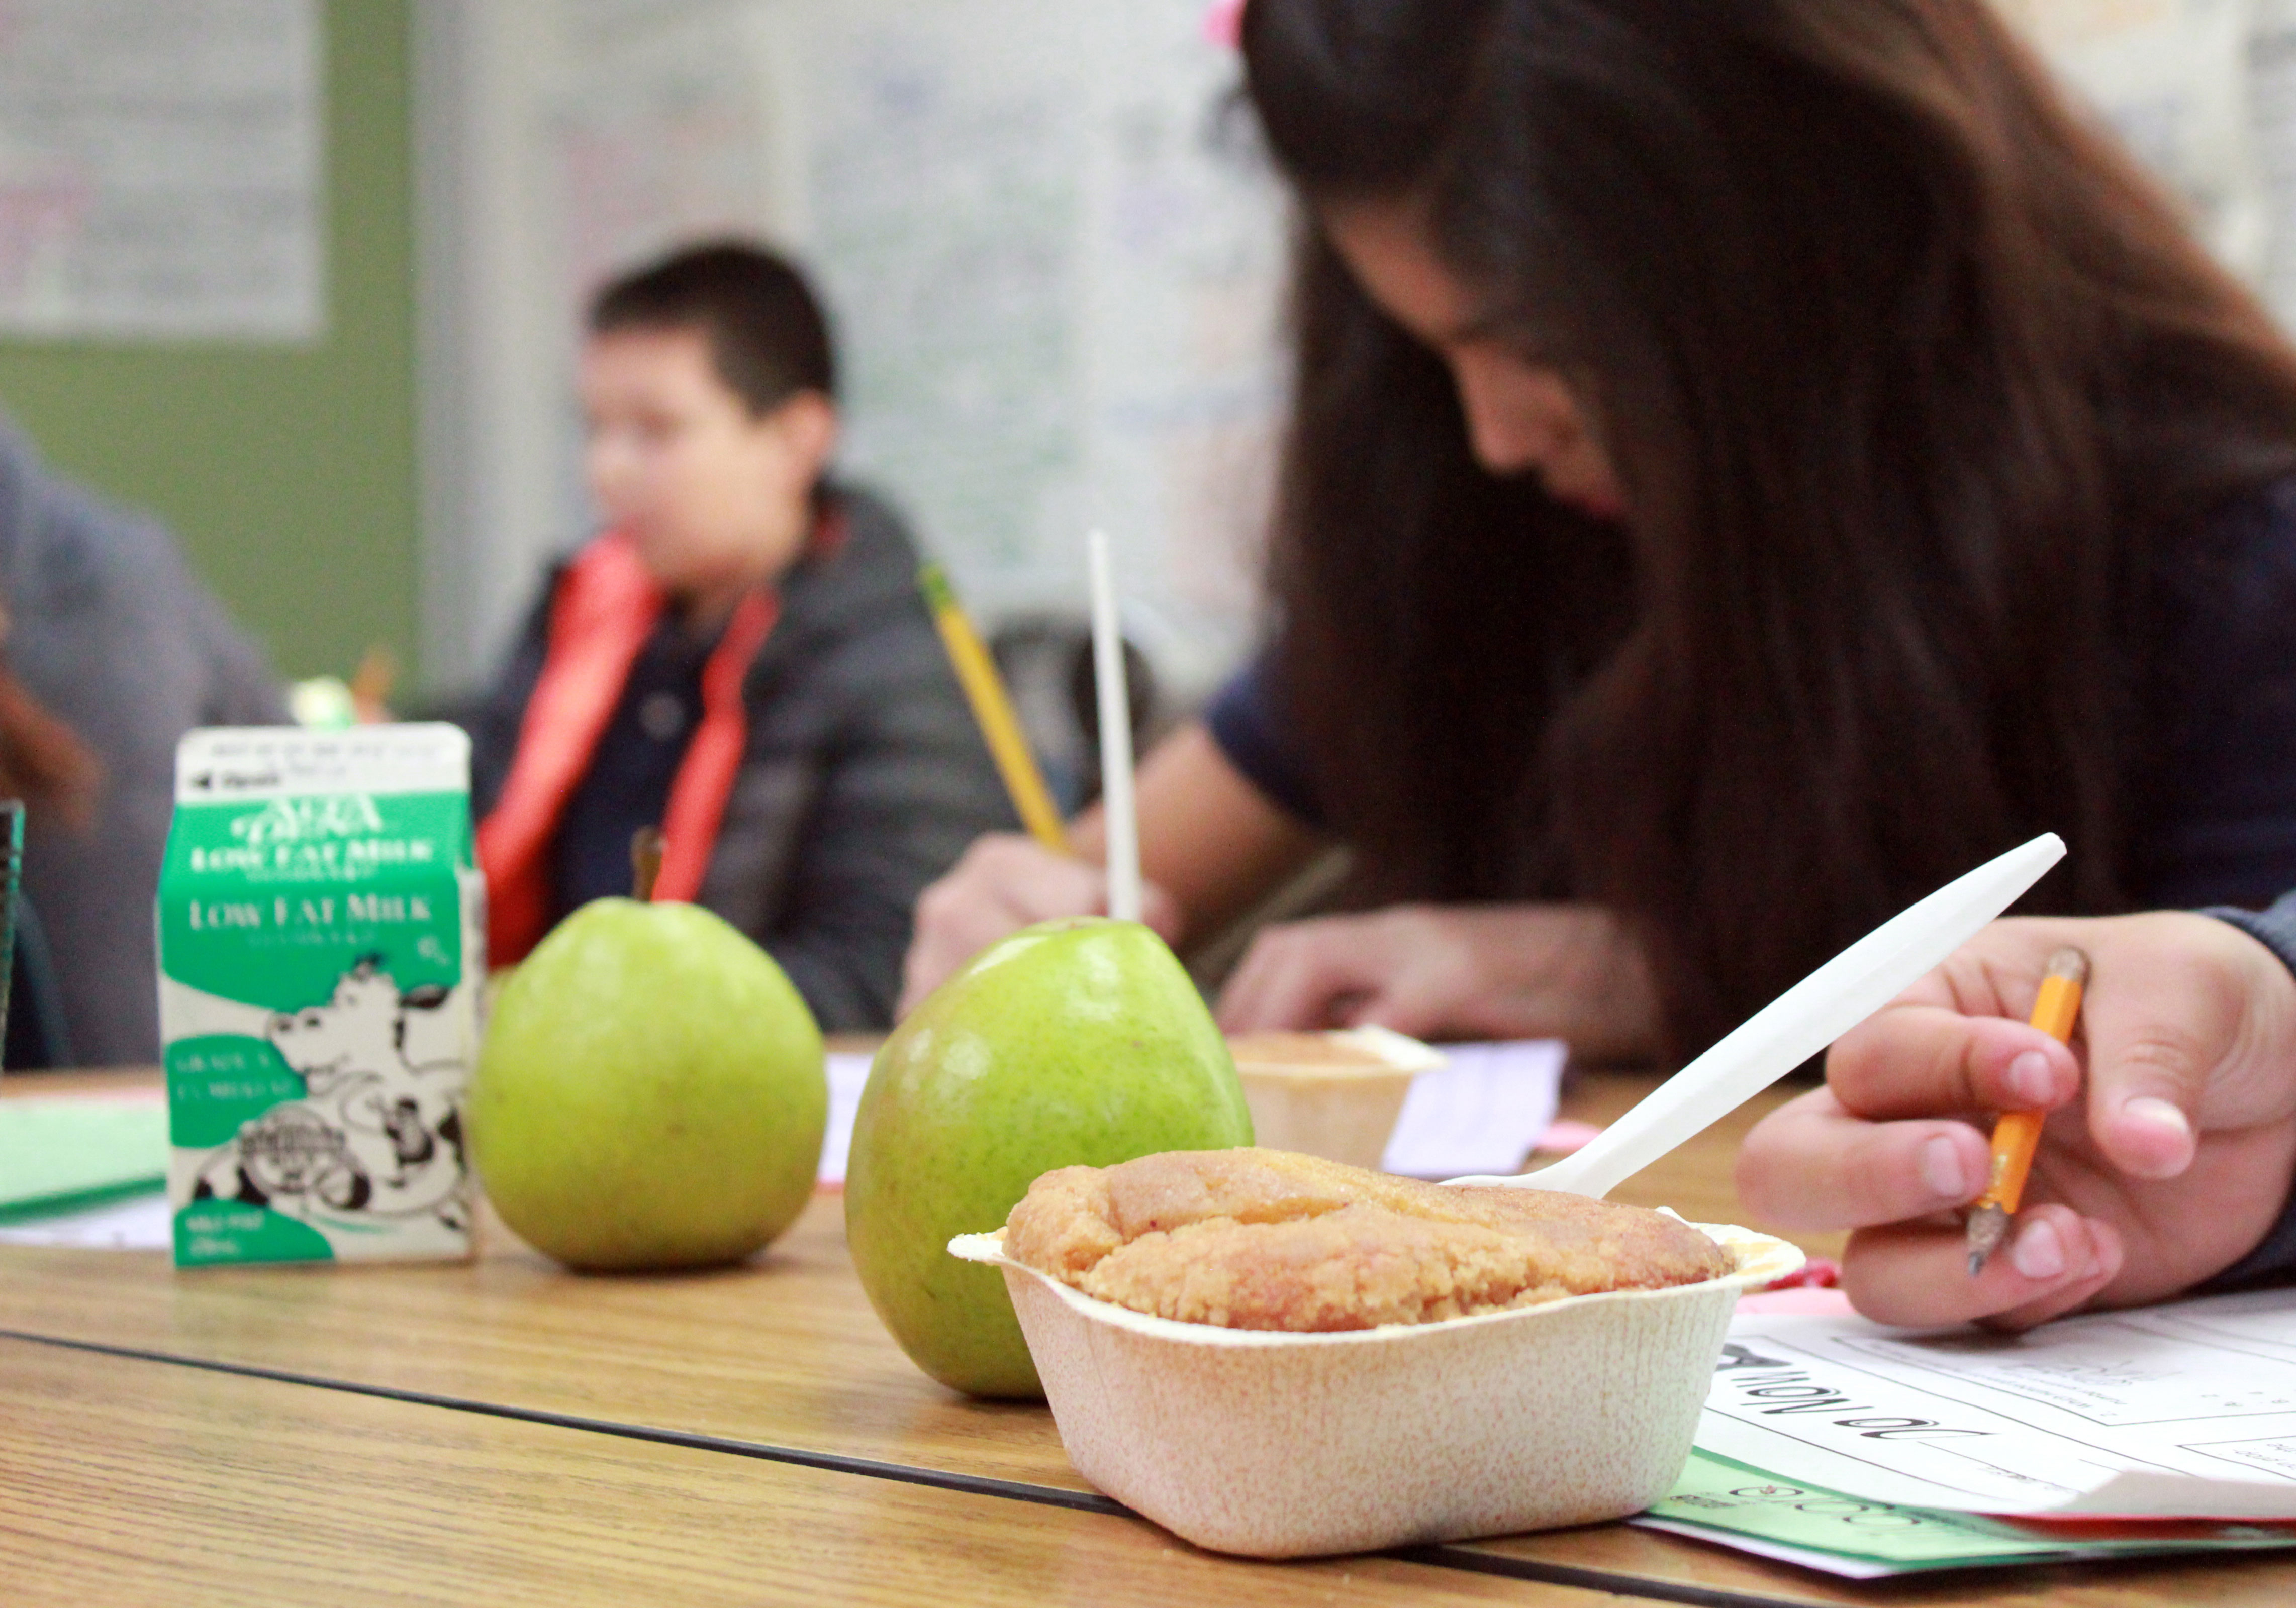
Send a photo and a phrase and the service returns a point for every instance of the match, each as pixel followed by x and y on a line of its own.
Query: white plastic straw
pixel 1115 740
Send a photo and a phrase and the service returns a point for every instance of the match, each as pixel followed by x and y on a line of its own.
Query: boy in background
pixel 740 658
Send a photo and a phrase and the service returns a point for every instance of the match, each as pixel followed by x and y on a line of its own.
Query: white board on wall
pixel 2173 78
pixel 1056 271
pixel 1054 282
pixel 557 140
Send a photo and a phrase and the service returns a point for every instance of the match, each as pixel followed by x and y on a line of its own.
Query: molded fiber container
pixel 1281 1445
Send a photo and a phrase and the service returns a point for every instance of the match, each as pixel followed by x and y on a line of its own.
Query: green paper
pixel 1728 1499
pixel 60 1155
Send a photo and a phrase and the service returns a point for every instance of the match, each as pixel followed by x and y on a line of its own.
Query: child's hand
pixel 2169 1167
pixel 1004 882
pixel 1489 971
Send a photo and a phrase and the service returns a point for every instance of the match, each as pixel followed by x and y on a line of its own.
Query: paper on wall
pixel 2185 1411
pixel 161 170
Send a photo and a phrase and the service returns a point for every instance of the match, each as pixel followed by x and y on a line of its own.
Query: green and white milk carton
pixel 322 950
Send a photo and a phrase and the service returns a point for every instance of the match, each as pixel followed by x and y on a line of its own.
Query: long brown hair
pixel 1915 382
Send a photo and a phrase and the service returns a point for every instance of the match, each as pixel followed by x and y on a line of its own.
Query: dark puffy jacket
pixel 862 779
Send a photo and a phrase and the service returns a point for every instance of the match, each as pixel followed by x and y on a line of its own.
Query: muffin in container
pixel 1273 1444
pixel 1334 1094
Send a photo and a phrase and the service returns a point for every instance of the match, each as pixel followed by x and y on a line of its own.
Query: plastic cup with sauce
pixel 1333 1094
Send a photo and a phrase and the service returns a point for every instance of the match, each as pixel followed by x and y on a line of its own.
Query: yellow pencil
pixel 2017 1133
pixel 992 709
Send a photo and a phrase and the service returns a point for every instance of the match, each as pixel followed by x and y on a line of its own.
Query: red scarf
pixel 605 608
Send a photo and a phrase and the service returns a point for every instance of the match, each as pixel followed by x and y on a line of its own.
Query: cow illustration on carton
pixel 375 1135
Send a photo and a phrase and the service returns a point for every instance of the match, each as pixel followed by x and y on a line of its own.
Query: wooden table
pixel 504 1432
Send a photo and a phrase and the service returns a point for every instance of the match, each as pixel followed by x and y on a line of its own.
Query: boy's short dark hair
pixel 768 337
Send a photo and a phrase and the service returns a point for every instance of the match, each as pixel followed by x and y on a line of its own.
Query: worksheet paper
pixel 2179 1411
pixel 848 1075
pixel 1480 1112
pixel 143 1222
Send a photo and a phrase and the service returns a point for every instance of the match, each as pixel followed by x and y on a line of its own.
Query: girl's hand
pixel 1501 971
pixel 1004 882
pixel 1212 846
pixel 2168 1157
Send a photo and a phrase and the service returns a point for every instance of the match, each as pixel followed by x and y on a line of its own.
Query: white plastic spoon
pixel 1797 1025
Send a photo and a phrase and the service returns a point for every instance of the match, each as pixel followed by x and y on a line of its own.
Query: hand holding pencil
pixel 2017 1134
pixel 1005 881
pixel 2166 1154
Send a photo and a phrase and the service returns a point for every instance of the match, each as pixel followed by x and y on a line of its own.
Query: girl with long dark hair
pixel 1750 460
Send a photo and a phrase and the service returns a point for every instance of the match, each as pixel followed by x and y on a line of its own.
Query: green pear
pixel 1075 1043
pixel 649 1092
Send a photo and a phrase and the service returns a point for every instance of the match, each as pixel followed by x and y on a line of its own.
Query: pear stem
pixel 645 863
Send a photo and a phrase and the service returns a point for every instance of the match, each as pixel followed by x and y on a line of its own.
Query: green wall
pixel 287 472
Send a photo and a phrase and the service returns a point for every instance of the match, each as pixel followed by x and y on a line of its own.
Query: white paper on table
pixel 2179 1411
pixel 1481 1111
pixel 848 1075
pixel 143 1223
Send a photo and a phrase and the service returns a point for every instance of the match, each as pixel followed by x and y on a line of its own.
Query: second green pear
pixel 1072 1043
pixel 649 1092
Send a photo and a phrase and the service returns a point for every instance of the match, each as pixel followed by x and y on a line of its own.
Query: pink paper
pixel 1831 1303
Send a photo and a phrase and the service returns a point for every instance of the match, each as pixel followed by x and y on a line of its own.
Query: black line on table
pixel 1473 1562
pixel 1017 1491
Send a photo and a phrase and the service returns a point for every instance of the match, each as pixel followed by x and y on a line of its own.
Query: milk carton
pixel 321 948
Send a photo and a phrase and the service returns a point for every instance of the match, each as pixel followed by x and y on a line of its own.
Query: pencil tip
pixel 1988 1226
